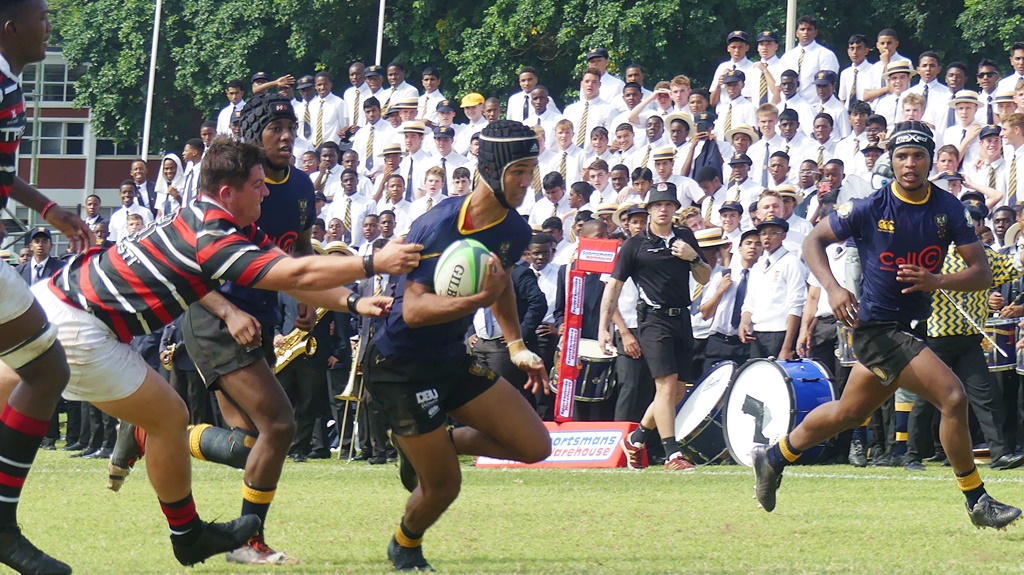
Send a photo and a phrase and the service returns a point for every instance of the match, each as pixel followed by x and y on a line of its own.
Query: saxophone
pixel 296 343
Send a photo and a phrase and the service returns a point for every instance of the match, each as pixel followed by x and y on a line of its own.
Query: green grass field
pixel 338 517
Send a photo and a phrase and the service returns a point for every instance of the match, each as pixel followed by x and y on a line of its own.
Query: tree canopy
pixel 478 46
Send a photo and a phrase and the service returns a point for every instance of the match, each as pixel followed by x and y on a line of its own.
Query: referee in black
pixel 659 260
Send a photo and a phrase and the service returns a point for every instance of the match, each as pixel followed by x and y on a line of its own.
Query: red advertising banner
pixel 569 365
pixel 597 255
pixel 591 444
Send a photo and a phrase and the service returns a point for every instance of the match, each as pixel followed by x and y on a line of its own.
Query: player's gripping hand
pixel 532 364
pixel 247 330
pixel 374 306
pixel 919 278
pixel 397 258
pixel 79 235
pixel 494 284
pixel 844 306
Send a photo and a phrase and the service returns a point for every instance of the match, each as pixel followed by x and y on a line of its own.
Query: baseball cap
pixel 731 205
pixel 472 99
pixel 824 78
pixel 773 221
pixel 738 35
pixel 733 76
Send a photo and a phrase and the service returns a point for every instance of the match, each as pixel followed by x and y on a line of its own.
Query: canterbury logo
pixel 887 226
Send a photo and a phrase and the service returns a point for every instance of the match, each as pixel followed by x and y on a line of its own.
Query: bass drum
pixel 769 398
pixel 597 379
pixel 699 417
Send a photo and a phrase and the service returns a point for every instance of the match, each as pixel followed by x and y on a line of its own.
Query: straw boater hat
pixel 338 247
pixel 743 129
pixel 711 237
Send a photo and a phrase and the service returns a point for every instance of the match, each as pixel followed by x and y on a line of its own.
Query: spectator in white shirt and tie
pixel 235 92
pixel 808 57
pixel 1009 83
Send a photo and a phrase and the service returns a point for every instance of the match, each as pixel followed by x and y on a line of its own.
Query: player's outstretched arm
pixel 72 226
pixel 422 307
pixel 322 273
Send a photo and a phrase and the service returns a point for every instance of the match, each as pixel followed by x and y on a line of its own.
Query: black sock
pixel 971 485
pixel 20 437
pixel 639 435
pixel 777 457
pixel 183 520
pixel 256 501
pixel 671 447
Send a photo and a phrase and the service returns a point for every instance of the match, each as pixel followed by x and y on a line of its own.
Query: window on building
pixel 58 81
pixel 109 148
pixel 56 138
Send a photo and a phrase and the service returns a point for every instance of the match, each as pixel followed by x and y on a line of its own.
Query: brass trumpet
pixel 172 348
pixel 296 344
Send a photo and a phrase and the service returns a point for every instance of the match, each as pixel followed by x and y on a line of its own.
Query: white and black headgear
pixel 502 144
pixel 913 134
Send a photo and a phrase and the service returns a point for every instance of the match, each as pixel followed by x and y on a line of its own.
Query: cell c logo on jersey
pixel 930 258
pixel 287 241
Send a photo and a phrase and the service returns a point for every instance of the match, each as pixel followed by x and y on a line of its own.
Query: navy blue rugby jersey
pixel 891 230
pixel 285 213
pixel 436 230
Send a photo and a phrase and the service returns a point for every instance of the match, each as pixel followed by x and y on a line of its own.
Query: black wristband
pixel 368 265
pixel 353 299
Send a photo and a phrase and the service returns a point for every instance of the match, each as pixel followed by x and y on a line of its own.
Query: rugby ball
pixel 461 268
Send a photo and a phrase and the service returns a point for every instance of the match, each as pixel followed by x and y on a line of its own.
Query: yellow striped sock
pixel 901 436
pixel 787 451
pixel 904 406
pixel 404 540
pixel 970 481
pixel 195 433
pixel 257 496
pixel 867 422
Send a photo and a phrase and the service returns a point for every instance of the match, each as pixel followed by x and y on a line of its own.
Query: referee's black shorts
pixel 887 347
pixel 416 395
pixel 213 349
pixel 666 342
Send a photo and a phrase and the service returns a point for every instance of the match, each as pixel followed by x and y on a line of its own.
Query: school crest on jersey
pixel 845 210
pixel 303 214
pixel 941 221
pixel 503 251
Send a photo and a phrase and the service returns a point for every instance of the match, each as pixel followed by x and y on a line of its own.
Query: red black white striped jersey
pixel 12 126
pixel 146 280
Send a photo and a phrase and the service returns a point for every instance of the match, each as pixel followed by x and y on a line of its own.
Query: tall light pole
pixel 380 31
pixel 790 23
pixel 148 120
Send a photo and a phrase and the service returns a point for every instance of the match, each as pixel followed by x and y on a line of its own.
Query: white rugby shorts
pixel 15 298
pixel 102 367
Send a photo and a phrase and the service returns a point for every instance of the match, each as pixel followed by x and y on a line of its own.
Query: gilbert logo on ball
pixel 461 268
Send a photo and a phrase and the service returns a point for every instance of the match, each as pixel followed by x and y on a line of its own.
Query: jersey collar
pixel 899 193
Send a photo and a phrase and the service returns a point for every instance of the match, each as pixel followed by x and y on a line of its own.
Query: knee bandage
pixel 25 352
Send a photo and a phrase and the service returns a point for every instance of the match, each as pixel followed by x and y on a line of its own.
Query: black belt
pixel 669 311
pixel 730 339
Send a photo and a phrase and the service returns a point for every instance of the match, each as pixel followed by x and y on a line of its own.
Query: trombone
pixel 350 394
